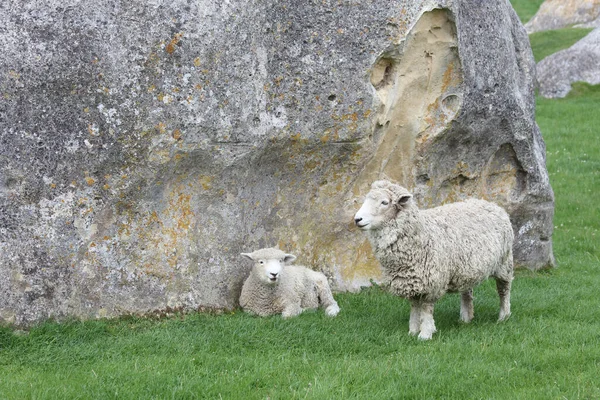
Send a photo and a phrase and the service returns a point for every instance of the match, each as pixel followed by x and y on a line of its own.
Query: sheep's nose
pixel 273 274
pixel 357 220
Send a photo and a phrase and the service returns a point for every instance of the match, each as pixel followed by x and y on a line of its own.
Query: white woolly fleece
pixel 426 253
pixel 295 288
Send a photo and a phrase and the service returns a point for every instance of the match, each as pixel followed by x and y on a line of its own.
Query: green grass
pixel 549 42
pixel 548 349
pixel 570 126
pixel 526 9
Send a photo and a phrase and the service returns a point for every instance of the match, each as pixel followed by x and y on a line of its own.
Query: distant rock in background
pixel 580 62
pixel 592 24
pixel 557 14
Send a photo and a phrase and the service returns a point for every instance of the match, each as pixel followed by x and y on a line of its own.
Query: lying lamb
pixel 274 286
pixel 426 253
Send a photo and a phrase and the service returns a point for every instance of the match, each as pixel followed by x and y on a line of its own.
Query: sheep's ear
pixel 247 255
pixel 404 199
pixel 289 258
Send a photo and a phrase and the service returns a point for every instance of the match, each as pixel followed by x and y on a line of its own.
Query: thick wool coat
pixel 451 248
pixel 298 288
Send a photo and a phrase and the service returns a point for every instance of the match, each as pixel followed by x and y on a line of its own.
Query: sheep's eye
pixel 385 202
pixel 261 262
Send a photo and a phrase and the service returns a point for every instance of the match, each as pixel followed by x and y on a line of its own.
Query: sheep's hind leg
pixel 466 306
pixel 503 288
pixel 427 323
pixel 414 323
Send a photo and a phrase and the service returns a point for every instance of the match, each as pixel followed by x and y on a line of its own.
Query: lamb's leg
pixel 427 323
pixel 326 297
pixel 466 306
pixel 503 288
pixel 291 310
pixel 414 323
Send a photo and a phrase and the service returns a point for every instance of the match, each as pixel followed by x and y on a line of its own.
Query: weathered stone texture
pixel 145 144
pixel 591 25
pixel 557 14
pixel 578 63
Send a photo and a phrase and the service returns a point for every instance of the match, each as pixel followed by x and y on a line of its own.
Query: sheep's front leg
pixel 414 323
pixel 291 310
pixel 427 323
pixel 466 306
pixel 332 310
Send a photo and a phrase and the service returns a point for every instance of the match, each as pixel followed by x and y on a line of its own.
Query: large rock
pixel 557 14
pixel 591 25
pixel 146 144
pixel 578 63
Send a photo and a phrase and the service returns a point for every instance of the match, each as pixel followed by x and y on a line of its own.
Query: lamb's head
pixel 383 202
pixel 268 263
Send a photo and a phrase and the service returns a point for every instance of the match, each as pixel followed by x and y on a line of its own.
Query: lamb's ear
pixel 289 258
pixel 404 199
pixel 247 255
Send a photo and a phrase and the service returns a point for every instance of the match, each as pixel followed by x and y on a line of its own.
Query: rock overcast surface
pixel 578 63
pixel 145 144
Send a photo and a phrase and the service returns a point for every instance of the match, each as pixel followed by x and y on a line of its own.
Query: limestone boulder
pixel 590 25
pixel 578 63
pixel 145 144
pixel 557 14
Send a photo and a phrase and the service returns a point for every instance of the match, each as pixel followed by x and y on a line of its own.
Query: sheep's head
pixel 382 204
pixel 268 263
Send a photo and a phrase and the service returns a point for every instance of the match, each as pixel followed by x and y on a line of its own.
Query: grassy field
pixel 549 42
pixel 526 9
pixel 548 349
pixel 546 42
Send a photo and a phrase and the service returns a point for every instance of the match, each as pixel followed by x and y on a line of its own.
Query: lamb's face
pixel 382 204
pixel 268 264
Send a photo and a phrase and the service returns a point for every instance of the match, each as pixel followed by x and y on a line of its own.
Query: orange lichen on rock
pixel 170 47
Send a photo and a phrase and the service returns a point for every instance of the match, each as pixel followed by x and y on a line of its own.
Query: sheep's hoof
pixel 503 317
pixel 332 310
pixel 425 336
pixel 413 333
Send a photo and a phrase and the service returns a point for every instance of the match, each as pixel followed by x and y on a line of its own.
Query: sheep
pixel 276 287
pixel 426 253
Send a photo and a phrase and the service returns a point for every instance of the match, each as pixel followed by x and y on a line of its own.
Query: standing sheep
pixel 426 253
pixel 274 286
